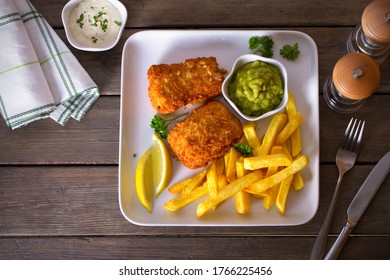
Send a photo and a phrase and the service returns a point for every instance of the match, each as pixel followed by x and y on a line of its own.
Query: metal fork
pixel 345 159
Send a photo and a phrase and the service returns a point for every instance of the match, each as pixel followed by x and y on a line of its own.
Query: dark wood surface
pixel 59 185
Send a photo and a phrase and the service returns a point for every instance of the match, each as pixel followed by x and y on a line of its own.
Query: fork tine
pixel 353 135
pixel 359 138
pixel 346 138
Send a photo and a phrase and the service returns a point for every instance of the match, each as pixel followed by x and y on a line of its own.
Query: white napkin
pixel 39 76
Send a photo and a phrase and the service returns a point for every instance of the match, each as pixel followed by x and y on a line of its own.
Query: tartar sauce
pixel 95 23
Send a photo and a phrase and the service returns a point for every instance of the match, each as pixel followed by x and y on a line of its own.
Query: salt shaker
pixel 355 77
pixel 372 36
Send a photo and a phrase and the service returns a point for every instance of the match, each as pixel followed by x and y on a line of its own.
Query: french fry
pixel 228 191
pixel 269 200
pixel 242 198
pixel 243 202
pixel 297 181
pixel 277 150
pixel 179 202
pixel 258 162
pixel 212 179
pixel 222 182
pixel 264 184
pixel 289 129
pixel 291 109
pixel 276 125
pixel 282 194
pixel 240 169
pixel 230 169
pixel 251 136
pixel 264 194
pixel 187 185
pixel 286 151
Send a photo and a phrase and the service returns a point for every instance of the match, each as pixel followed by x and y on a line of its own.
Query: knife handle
pixel 340 241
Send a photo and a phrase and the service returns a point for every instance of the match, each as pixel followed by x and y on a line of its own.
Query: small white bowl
pixel 247 58
pixel 66 11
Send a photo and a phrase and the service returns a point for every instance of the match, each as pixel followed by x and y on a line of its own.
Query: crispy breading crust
pixel 172 86
pixel 207 134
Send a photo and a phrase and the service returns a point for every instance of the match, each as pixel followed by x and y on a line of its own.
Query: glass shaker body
pixel 372 36
pixel 354 78
pixel 359 43
pixel 337 101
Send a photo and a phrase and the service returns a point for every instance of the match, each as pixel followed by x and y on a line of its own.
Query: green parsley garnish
pixel 262 45
pixel 243 149
pixel 104 24
pixel 80 20
pixel 94 40
pixel 119 23
pixel 98 19
pixel 100 14
pixel 290 52
pixel 161 126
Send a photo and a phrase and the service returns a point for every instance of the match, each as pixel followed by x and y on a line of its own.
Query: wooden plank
pixel 204 13
pixel 95 140
pixel 72 200
pixel 186 248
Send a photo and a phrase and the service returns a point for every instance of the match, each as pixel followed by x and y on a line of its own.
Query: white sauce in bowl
pixel 95 23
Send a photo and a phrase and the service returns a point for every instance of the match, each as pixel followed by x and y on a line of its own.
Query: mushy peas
pixel 95 23
pixel 256 88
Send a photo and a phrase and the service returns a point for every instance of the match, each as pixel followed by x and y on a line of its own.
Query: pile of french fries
pixel 267 174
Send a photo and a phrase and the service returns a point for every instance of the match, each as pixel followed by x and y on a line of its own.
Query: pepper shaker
pixel 372 36
pixel 355 77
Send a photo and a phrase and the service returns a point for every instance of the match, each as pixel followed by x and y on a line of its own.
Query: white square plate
pixel 145 48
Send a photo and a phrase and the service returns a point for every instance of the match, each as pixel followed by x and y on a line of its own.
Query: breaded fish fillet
pixel 205 135
pixel 172 86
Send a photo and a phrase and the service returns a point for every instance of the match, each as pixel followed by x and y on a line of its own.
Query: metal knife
pixel 360 203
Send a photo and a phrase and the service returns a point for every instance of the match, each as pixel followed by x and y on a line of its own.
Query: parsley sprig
pixel 243 149
pixel 160 125
pixel 290 52
pixel 262 45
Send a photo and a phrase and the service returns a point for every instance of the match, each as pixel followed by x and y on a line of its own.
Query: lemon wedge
pixel 153 172
pixel 144 180
pixel 162 164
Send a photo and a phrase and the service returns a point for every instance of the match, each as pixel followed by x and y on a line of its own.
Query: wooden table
pixel 59 185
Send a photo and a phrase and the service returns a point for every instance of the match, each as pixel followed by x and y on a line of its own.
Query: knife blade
pixel 360 203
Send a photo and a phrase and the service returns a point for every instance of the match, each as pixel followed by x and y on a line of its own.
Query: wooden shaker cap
pixel 356 76
pixel 374 23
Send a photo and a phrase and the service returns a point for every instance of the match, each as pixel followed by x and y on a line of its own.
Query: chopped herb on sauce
pixel 80 20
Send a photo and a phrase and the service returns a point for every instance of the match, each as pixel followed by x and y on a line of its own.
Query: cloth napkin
pixel 39 76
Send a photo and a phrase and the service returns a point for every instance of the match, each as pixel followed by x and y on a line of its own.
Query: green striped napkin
pixel 39 76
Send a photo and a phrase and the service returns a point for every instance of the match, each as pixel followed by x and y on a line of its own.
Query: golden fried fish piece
pixel 172 86
pixel 207 134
